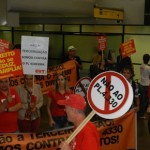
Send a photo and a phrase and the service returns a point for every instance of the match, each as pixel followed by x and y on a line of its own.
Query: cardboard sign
pixel 82 86
pixel 10 64
pixel 4 45
pixel 110 95
pixel 34 54
pixel 128 48
pixel 101 43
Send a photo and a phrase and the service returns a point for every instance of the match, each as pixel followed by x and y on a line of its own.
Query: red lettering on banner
pixel 39 71
pixel 101 43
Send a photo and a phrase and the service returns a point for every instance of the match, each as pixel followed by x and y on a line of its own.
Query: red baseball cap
pixel 74 100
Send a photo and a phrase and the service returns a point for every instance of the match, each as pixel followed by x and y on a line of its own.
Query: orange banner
pixel 117 134
pixel 68 69
pixel 128 48
pixel 10 64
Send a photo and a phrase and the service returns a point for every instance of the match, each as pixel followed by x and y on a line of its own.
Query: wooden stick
pixel 33 86
pixel 78 129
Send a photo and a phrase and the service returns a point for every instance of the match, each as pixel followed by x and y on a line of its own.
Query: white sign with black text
pixel 34 54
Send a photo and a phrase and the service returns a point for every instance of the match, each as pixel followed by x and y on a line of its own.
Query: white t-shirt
pixel 145 75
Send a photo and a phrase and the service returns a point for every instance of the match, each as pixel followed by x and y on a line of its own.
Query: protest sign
pixel 4 45
pixel 101 43
pixel 81 86
pixel 128 48
pixel 110 95
pixel 10 64
pixel 34 54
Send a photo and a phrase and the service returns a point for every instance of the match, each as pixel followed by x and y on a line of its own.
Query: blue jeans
pixel 143 100
pixel 61 122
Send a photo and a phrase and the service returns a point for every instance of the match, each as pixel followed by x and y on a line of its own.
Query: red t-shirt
pixel 87 139
pixel 57 110
pixel 9 120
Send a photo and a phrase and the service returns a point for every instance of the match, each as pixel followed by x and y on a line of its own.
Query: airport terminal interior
pixel 79 23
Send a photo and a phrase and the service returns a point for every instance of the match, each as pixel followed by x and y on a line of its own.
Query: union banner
pixel 47 81
pixel 116 134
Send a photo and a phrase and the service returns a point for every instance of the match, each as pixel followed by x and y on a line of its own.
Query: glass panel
pixel 52 27
pixel 102 28
pixel 137 29
pixel 30 27
pixel 5 28
pixel 52 62
pixel 6 35
pixel 71 28
pixel 17 36
pixel 55 47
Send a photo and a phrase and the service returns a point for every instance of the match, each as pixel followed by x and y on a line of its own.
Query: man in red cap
pixel 88 138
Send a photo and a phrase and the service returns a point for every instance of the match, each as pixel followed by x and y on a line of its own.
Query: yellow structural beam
pixel 108 13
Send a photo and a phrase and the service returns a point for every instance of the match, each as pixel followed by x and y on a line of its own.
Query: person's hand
pixel 33 103
pixel 103 62
pixel 9 97
pixel 33 107
pixel 76 61
pixel 52 123
pixel 137 108
pixel 64 146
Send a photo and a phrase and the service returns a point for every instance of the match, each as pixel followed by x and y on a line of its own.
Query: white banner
pixel 34 54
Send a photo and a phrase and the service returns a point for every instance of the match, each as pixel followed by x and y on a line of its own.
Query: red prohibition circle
pixel 80 83
pixel 108 73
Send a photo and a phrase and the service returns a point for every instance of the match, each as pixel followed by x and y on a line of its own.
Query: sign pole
pixel 78 129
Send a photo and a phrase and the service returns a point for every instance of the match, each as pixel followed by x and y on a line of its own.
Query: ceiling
pixel 15 12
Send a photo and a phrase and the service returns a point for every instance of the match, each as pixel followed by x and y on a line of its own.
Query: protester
pixel 88 138
pixel 145 82
pixel 110 63
pixel 32 101
pixel 71 55
pixel 122 62
pixel 98 64
pixel 57 115
pixel 128 73
pixel 10 103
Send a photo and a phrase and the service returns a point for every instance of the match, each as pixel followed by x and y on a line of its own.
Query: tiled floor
pixel 143 137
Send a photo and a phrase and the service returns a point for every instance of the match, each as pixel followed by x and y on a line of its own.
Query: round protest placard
pixel 110 95
pixel 81 86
